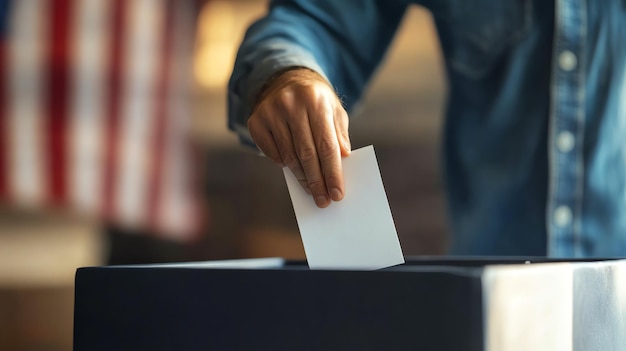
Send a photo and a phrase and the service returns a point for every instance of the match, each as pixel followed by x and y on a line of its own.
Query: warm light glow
pixel 221 27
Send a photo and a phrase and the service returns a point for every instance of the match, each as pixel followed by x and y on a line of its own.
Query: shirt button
pixel 567 60
pixel 563 216
pixel 565 141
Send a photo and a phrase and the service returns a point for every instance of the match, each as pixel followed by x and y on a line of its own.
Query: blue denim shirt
pixel 535 132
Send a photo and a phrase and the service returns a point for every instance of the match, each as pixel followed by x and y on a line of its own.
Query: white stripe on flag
pixel 91 27
pixel 141 55
pixel 27 47
pixel 176 205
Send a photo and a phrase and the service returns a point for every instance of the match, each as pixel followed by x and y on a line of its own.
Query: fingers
pixel 305 128
pixel 307 153
pixel 341 121
pixel 327 147
pixel 298 148
pixel 274 139
pixel 288 153
pixel 263 138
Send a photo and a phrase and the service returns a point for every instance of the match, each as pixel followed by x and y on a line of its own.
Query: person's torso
pixel 535 134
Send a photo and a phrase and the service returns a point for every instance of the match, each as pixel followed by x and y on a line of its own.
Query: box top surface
pixel 459 265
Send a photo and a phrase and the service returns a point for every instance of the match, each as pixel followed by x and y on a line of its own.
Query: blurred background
pixel 243 208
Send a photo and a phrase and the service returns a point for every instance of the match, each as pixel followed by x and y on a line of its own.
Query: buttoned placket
pixel 566 130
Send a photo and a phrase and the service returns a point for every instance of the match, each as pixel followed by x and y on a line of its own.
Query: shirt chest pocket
pixel 476 33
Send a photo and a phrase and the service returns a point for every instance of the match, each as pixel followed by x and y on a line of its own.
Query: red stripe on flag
pixel 161 111
pixel 58 88
pixel 112 108
pixel 3 123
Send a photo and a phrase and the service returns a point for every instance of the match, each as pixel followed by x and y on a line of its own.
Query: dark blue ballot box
pixel 458 304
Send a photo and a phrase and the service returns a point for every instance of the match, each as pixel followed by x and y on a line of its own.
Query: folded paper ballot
pixel 357 232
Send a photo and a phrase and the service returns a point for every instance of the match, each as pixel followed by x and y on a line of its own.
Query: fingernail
pixel 335 194
pixel 321 201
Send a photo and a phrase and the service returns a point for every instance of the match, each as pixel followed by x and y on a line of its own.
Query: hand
pixel 300 123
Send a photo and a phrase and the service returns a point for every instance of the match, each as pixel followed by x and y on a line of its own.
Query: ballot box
pixel 425 304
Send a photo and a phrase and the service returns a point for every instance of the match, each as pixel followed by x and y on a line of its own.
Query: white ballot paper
pixel 355 233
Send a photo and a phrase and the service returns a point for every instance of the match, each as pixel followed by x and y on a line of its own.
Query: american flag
pixel 94 111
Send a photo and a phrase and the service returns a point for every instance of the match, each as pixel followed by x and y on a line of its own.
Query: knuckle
pixel 284 99
pixel 307 154
pixel 313 93
pixel 327 148
pixel 290 159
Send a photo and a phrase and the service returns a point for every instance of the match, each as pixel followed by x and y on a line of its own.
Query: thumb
pixel 346 148
pixel 341 128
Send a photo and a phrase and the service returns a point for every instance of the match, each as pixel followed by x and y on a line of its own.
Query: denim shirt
pixel 534 140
